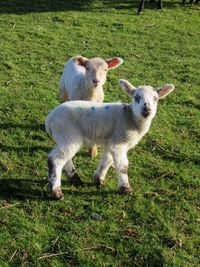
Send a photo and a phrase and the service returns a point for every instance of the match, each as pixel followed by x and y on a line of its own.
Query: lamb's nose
pixel 146 110
pixel 96 81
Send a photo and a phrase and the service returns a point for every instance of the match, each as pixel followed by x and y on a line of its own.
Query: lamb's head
pixel 96 69
pixel 145 98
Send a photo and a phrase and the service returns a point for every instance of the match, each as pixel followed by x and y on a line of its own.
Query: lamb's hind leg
pixel 121 164
pixel 56 161
pixel 54 176
pixel 69 169
pixel 105 163
pixel 93 151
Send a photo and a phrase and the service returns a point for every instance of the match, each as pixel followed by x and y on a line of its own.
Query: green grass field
pixel 159 225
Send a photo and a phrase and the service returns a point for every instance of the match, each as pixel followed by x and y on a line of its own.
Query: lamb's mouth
pixel 145 113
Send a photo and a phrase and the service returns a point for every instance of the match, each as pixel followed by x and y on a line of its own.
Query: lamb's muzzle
pixel 146 111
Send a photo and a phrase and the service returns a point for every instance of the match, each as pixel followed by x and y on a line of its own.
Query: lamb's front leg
pixel 121 164
pixel 105 163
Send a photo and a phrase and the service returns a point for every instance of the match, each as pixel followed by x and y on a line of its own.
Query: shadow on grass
pixel 32 127
pixel 22 189
pixel 30 6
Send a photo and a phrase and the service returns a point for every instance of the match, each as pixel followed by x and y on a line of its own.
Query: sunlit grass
pixel 159 224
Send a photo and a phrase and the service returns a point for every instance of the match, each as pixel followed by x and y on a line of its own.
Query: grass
pixel 159 224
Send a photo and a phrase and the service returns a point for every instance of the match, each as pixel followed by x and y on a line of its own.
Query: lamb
pixel 117 127
pixel 83 79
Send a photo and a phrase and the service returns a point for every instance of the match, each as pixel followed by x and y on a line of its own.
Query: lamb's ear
pixel 79 60
pixel 165 90
pixel 114 62
pixel 127 87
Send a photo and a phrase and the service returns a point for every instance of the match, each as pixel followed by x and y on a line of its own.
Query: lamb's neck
pixel 141 125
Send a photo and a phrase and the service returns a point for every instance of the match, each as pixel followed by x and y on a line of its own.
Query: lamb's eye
pixel 155 98
pixel 137 98
pixel 87 68
pixel 106 69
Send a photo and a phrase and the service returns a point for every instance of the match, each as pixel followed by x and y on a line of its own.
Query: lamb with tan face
pixel 116 127
pixel 83 79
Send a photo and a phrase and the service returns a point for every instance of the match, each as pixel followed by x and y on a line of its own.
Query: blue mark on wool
pixel 107 107
pixel 79 109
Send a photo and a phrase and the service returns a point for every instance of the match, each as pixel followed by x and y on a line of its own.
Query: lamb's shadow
pixel 89 189
pixel 21 189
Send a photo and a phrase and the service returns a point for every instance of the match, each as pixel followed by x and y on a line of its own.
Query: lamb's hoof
pixel 76 180
pixel 97 181
pixel 93 151
pixel 125 190
pixel 57 194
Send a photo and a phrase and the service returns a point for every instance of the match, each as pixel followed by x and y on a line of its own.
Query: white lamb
pixel 117 127
pixel 83 79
